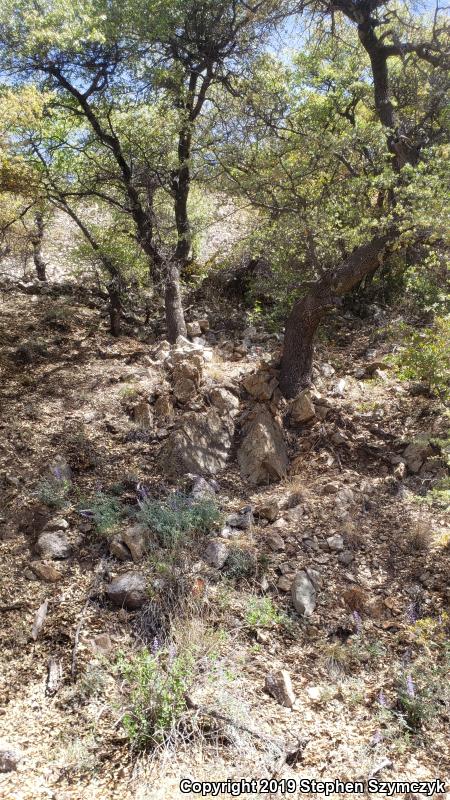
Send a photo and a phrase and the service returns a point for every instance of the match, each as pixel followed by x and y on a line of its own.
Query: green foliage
pixel 178 516
pixel 158 683
pixel 261 613
pixel 240 564
pixel 105 511
pixel 426 357
pixel 53 491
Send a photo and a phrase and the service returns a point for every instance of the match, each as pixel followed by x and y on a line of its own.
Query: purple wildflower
pixel 57 473
pixel 155 646
pixel 410 686
pixel 377 738
pixel 382 699
pixel 358 622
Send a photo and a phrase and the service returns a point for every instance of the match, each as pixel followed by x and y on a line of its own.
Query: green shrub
pixel 261 613
pixel 53 491
pixel 426 357
pixel 177 516
pixel 158 683
pixel 105 511
pixel 240 564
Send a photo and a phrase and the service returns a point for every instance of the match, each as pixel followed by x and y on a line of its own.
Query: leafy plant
pixel 106 512
pixel 261 613
pixel 177 516
pixel 240 564
pixel 158 681
pixel 426 357
pixel 53 491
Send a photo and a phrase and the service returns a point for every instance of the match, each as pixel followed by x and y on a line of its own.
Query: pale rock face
pixel 335 543
pixel 193 329
pixel 262 455
pixel 200 445
pixel 415 455
pixel 279 685
pixel 163 407
pixel 128 590
pixel 9 757
pixel 53 545
pixel 260 385
pixel 225 401
pixel 302 409
pixel 303 594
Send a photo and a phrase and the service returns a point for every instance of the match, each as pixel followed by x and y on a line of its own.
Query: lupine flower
pixel 57 473
pixel 155 645
pixel 358 622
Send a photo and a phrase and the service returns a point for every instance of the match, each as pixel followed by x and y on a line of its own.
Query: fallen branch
pixel 39 619
pixel 13 606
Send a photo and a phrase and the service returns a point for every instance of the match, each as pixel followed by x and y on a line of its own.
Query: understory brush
pixel 178 516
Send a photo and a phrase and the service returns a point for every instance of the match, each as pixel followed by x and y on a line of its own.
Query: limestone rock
pixel 346 557
pixel 262 455
pixel 261 384
pixel 243 519
pixel 225 401
pixel 202 488
pixel 302 409
pixel 269 511
pixel 9 757
pixel 57 524
pixel 216 554
pixel 200 445
pixel 335 543
pixel 128 590
pixel 134 539
pixel 53 544
pixel 118 549
pixel 416 454
pixel 303 594
pixel 279 685
pixel 46 572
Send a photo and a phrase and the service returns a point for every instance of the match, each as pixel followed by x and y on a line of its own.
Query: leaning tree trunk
pixel 306 314
pixel 36 241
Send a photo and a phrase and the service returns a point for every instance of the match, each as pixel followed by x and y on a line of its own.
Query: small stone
pixel 204 325
pixel 57 524
pixel 314 693
pixel 9 757
pixel 268 511
pixel 303 594
pixel 118 549
pixel 335 543
pixel 280 523
pixel 53 544
pixel 128 590
pixel 102 643
pixel 339 388
pixel 134 539
pixel 46 572
pixel 274 541
pixel 216 554
pixel 346 557
pixel 193 329
pixel 295 514
pixel 203 489
pixel 279 685
pixel 302 409
pixel 284 583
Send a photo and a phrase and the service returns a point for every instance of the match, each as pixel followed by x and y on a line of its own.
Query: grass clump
pixel 178 516
pixel 240 564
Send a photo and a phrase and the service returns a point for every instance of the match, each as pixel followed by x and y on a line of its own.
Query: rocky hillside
pixel 201 580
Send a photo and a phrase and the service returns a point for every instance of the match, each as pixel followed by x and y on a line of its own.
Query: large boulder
pixel 128 590
pixel 201 444
pixel 262 455
pixel 9 757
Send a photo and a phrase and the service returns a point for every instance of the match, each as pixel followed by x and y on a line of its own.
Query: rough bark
pixel 37 238
pixel 306 314
pixel 176 325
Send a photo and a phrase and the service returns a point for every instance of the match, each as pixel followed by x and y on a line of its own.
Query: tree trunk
pixel 36 241
pixel 176 325
pixel 115 308
pixel 306 314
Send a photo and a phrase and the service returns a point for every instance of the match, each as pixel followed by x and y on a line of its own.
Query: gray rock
pixel 335 543
pixel 262 455
pixel 216 554
pixel 261 384
pixel 279 685
pixel 242 520
pixel 193 329
pixel 203 489
pixel 225 402
pixel 416 454
pixel 9 757
pixel 57 524
pixel 346 557
pixel 303 594
pixel 274 541
pixel 128 590
pixel 53 544
pixel 201 444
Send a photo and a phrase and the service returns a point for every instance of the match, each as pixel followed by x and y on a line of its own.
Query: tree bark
pixel 38 235
pixel 115 308
pixel 176 325
pixel 308 311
